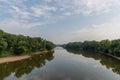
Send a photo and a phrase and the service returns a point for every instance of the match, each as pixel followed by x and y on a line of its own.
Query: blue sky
pixel 62 21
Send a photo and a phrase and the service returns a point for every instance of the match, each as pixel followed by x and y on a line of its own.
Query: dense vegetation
pixel 11 44
pixel 105 46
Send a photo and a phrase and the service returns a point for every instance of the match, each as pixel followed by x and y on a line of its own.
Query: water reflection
pixel 107 61
pixel 19 68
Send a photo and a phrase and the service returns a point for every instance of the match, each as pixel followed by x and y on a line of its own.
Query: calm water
pixel 63 65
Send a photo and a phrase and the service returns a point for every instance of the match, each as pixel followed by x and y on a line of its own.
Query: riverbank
pixel 18 58
pixel 118 58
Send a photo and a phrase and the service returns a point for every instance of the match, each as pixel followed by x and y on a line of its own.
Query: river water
pixel 63 65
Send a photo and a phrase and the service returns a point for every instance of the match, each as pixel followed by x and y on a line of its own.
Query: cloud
pixel 48 0
pixel 87 6
pixel 99 32
pixel 17 26
pixel 101 6
pixel 63 7
pixel 67 14
pixel 19 13
pixel 107 30
pixel 13 1
pixel 23 9
pixel 39 11
pixel 16 8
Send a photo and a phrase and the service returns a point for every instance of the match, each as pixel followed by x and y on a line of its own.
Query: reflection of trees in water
pixel 24 66
pixel 107 61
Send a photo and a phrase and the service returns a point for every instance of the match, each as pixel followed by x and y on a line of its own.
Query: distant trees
pixel 74 45
pixel 19 44
pixel 90 45
pixel 48 45
pixel 104 46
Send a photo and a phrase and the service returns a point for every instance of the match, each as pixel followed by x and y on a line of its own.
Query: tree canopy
pixel 19 44
pixel 105 46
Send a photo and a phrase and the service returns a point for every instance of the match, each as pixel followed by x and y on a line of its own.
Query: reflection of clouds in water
pixel 58 77
pixel 90 61
pixel 35 78
pixel 85 78
pixel 11 77
pixel 68 78
pixel 59 48
pixel 25 77
pixel 82 59
pixel 99 66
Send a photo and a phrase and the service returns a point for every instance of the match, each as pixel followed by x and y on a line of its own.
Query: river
pixel 63 65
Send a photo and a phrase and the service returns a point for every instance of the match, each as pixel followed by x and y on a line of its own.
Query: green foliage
pixel 3 45
pixel 104 46
pixel 1 33
pixel 49 45
pixel 19 44
pixel 74 45
pixel 90 45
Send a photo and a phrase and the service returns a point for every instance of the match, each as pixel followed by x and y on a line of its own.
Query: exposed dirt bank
pixel 18 58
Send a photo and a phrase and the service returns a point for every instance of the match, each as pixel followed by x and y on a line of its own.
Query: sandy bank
pixel 14 58
pixel 18 58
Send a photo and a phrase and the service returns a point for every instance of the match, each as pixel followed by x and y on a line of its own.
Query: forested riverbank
pixel 11 44
pixel 107 47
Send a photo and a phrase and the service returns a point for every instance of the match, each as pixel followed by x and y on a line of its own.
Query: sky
pixel 62 21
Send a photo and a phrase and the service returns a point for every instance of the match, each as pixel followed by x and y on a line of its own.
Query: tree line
pixel 11 44
pixel 111 47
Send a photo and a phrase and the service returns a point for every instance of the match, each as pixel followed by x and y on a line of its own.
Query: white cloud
pixel 108 30
pixel 18 12
pixel 88 6
pixel 67 14
pixel 16 8
pixel 48 0
pixel 42 10
pixel 101 6
pixel 64 7
pixel 48 8
pixel 99 32
pixel 13 1
pixel 16 26
pixel 37 11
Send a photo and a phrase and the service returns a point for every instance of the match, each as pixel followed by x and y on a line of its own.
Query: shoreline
pixel 18 58
pixel 115 57
pixel 118 58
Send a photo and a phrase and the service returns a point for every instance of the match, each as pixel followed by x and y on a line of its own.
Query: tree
pixel 3 45
pixel 104 46
pixel 19 44
pixel 49 45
